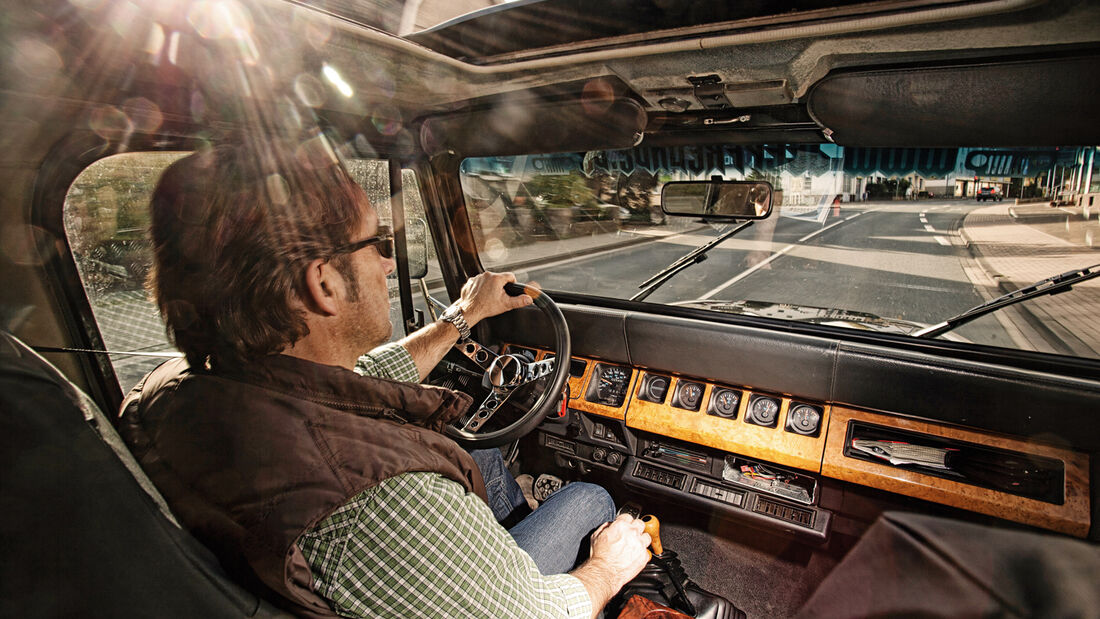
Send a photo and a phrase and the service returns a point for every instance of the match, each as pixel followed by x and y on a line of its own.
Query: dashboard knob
pixel 614 458
pixel 599 454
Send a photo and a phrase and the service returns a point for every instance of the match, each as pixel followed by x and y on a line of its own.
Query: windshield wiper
pixel 694 256
pixel 1051 285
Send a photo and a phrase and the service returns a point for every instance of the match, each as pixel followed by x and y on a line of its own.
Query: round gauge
pixel 764 411
pixel 655 389
pixel 690 395
pixel 724 403
pixel 804 419
pixel 611 388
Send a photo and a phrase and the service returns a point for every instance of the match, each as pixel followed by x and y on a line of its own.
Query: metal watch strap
pixel 454 316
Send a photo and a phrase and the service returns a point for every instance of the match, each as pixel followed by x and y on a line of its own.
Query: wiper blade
pixel 694 256
pixel 1051 285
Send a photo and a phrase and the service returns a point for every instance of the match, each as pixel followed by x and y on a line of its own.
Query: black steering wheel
pixel 504 374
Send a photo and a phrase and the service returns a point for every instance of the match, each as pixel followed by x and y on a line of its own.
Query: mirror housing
pixel 416 245
pixel 717 199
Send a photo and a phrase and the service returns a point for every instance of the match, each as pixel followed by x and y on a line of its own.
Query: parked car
pixel 772 390
pixel 988 193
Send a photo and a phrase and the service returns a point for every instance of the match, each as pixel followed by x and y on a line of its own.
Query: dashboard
pixel 763 456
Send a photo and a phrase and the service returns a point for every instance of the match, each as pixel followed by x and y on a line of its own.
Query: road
pixel 904 262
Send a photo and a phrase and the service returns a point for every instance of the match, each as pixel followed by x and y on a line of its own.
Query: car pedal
pixel 545 485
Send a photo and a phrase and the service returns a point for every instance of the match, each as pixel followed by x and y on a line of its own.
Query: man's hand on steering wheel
pixel 483 296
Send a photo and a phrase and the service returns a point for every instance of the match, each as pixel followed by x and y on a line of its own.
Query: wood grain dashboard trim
pixel 1072 517
pixel 732 435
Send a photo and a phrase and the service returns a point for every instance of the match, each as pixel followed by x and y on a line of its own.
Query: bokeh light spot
pixel 337 80
pixel 36 59
pixel 310 90
pixel 219 19
pixel 143 114
pixel 109 122
pixel 277 189
pixel 386 119
pixel 155 43
pixel 597 96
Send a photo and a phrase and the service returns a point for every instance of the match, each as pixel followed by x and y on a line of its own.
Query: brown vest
pixel 251 459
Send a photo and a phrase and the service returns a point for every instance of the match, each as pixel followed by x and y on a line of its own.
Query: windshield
pixel 880 239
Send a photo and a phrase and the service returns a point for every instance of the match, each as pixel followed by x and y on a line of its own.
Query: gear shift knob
pixel 653 527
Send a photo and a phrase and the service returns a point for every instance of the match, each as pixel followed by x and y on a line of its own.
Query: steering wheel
pixel 504 374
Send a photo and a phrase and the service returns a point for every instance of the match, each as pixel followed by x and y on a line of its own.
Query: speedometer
pixel 610 385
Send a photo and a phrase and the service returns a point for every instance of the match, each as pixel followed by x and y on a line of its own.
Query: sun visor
pixel 1051 102
pixel 523 127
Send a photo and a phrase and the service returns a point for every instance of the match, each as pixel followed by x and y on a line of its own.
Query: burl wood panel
pixel 733 435
pixel 1071 518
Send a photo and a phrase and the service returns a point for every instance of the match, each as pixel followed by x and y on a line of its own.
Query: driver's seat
pixel 84 531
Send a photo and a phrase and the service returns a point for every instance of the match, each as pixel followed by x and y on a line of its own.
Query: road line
pixel 854 216
pixel 943 241
pixel 595 254
pixel 930 228
pixel 815 233
pixel 746 272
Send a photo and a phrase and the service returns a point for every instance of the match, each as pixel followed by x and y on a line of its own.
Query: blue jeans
pixel 554 533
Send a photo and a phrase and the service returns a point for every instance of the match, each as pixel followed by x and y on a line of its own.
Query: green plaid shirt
pixel 418 545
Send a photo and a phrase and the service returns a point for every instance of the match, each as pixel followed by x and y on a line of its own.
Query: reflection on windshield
pixel 879 239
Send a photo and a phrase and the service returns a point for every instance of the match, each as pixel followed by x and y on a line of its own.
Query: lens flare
pixel 219 19
pixel 155 43
pixel 310 90
pixel 597 96
pixel 143 114
pixel 386 119
pixel 337 80
pixel 111 123
pixel 36 59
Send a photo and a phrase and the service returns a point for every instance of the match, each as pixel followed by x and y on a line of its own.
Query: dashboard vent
pixel 775 509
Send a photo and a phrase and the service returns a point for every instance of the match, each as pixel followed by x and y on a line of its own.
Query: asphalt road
pixel 905 261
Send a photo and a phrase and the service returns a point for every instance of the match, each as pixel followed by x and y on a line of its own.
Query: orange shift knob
pixel 653 527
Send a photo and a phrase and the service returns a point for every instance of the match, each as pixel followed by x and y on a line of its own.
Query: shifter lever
pixel 677 577
pixel 653 527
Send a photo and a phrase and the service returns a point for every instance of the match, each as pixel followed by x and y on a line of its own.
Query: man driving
pixel 336 490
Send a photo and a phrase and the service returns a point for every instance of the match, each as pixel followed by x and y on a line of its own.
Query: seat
pixel 84 532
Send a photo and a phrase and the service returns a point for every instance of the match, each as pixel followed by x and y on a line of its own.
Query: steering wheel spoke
pixel 477 353
pixel 489 407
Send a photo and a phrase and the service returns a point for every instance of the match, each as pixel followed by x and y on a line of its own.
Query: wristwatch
pixel 454 316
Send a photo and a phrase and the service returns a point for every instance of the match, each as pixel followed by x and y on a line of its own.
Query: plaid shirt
pixel 417 545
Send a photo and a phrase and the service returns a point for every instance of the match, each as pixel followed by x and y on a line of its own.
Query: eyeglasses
pixel 383 242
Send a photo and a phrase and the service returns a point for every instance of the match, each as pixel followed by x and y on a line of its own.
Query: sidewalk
pixel 1012 251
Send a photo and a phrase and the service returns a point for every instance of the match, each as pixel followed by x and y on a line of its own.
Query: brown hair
pixel 233 228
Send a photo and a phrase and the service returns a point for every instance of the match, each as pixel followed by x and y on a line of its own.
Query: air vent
pixel 775 509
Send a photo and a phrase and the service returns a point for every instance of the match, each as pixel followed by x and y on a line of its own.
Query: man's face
pixel 367 315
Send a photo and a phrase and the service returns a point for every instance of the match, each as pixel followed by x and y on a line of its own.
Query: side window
pixel 106 219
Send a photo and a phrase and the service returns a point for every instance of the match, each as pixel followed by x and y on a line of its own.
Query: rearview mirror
pixel 717 199
pixel 416 242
